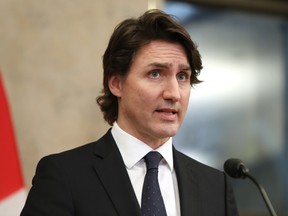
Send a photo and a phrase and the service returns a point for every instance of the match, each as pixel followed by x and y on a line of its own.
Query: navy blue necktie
pixel 152 203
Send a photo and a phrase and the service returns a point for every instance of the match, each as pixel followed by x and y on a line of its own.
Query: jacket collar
pixel 110 168
pixel 188 185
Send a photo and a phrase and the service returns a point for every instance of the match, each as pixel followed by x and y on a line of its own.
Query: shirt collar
pixel 133 149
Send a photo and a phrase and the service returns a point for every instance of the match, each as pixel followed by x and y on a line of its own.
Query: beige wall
pixel 50 57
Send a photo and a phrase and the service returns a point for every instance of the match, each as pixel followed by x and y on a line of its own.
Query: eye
pixel 154 74
pixel 182 76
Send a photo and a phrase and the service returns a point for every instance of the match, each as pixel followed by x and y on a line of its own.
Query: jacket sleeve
pixel 231 207
pixel 50 194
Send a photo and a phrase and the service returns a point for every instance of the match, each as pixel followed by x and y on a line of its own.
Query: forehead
pixel 161 51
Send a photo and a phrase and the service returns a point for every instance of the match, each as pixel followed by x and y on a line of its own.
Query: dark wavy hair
pixel 128 37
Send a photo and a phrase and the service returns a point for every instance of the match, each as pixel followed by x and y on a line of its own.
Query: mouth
pixel 167 111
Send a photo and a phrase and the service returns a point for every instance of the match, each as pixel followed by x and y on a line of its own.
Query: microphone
pixel 236 168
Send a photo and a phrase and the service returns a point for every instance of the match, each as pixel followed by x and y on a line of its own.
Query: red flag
pixel 11 177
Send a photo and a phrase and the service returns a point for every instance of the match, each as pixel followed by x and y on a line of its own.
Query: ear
pixel 115 85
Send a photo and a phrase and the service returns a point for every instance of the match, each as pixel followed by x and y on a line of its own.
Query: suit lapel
pixel 188 184
pixel 111 171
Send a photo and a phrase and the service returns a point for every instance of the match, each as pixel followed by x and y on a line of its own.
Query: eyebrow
pixel 183 67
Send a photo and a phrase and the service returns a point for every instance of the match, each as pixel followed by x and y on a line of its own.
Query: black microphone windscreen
pixel 234 168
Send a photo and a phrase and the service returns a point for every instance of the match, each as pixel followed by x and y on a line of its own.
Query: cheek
pixel 139 98
pixel 145 93
pixel 185 100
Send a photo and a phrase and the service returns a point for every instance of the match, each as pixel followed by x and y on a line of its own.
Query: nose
pixel 171 90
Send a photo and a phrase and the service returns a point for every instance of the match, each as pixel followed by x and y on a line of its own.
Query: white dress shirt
pixel 133 150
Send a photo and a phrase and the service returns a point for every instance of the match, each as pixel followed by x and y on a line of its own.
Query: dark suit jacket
pixel 92 180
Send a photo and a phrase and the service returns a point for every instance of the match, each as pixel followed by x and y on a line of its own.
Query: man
pixel 149 66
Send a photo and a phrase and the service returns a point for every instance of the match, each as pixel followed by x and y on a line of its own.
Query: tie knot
pixel 153 159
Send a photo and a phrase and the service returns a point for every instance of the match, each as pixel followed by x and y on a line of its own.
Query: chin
pixel 168 132
pixel 165 129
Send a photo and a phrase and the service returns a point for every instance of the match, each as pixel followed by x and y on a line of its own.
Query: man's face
pixel 153 98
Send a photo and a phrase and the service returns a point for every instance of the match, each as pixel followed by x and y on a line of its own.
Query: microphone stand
pixel 262 191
